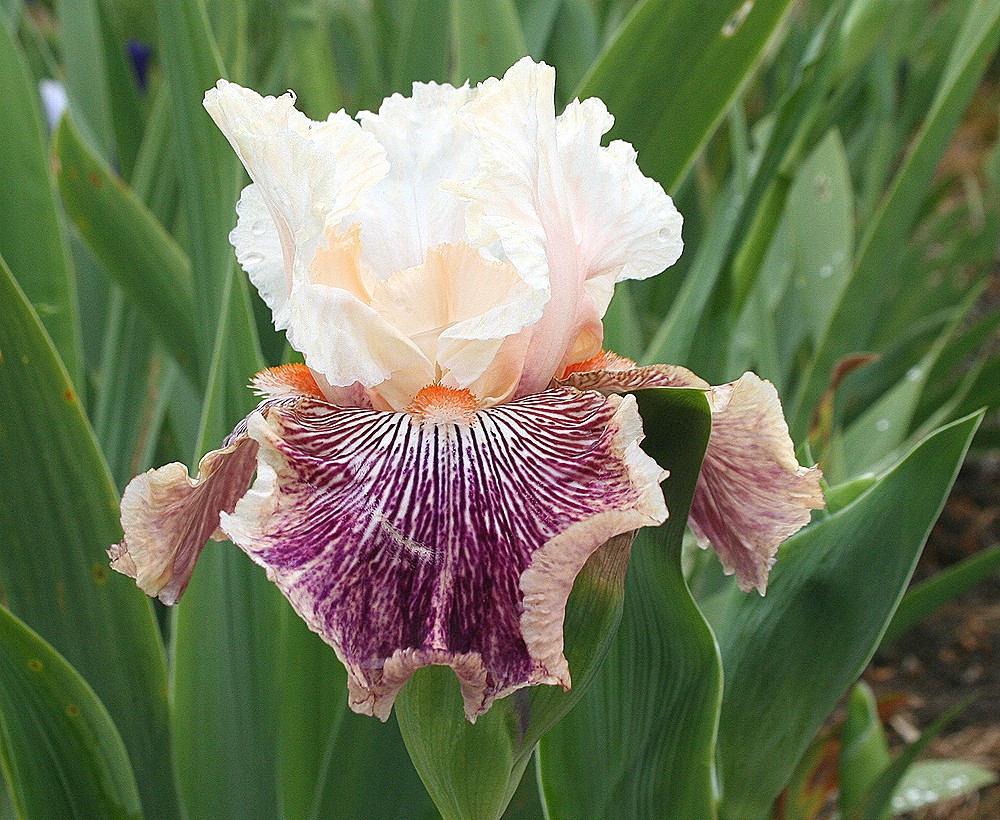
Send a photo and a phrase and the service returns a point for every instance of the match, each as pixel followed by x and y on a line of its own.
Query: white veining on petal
pixel 751 493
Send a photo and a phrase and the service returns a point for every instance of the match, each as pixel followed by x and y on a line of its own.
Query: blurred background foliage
pixel 838 171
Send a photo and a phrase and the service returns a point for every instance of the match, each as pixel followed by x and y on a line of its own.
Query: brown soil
pixel 956 651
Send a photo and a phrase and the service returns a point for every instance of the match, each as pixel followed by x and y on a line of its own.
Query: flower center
pixel 437 403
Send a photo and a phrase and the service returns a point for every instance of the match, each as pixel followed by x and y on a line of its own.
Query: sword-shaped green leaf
pixel 60 752
pixel 133 246
pixel 879 253
pixel 648 721
pixel 789 656
pixel 31 238
pixel 58 514
pixel 672 72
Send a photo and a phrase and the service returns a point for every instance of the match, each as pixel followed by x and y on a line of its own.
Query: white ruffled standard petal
pixel 407 543
pixel 310 174
pixel 408 212
pixel 258 250
pixel 752 493
pixel 638 231
pixel 571 216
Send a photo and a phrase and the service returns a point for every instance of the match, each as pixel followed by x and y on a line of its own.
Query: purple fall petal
pixel 406 543
pixel 751 493
pixel 168 516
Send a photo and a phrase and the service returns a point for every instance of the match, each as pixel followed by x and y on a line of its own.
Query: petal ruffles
pixel 168 516
pixel 752 493
pixel 405 544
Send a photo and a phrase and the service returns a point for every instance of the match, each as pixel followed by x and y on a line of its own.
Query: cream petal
pixel 515 200
pixel 310 174
pixel 343 340
pixel 258 250
pixel 408 212
pixel 752 493
pixel 405 543
pixel 637 231
pixel 459 308
pixel 347 342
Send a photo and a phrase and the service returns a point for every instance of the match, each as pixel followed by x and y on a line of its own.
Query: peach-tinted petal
pixel 751 494
pixel 310 174
pixel 340 335
pixel 458 308
pixel 405 542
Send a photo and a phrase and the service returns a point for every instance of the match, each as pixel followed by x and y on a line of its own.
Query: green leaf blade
pixel 855 318
pixel 649 719
pixel 59 750
pixel 33 244
pixel 59 515
pixel 129 241
pixel 486 38
pixel 707 51
pixel 831 595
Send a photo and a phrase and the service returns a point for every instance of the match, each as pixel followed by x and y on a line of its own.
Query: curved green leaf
pixel 31 238
pixel 208 169
pixel 648 721
pixel 132 245
pixel 58 514
pixel 831 595
pixel 59 750
pixel 923 599
pixel 226 628
pixel 930 781
pixel 878 798
pixel 472 771
pixel 878 258
pixel 672 72
pixel 486 38
pixel 864 753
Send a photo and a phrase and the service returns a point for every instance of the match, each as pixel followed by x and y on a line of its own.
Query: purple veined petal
pixel 167 516
pixel 752 493
pixel 405 543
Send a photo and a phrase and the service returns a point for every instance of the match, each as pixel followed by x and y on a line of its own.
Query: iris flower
pixel 427 486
